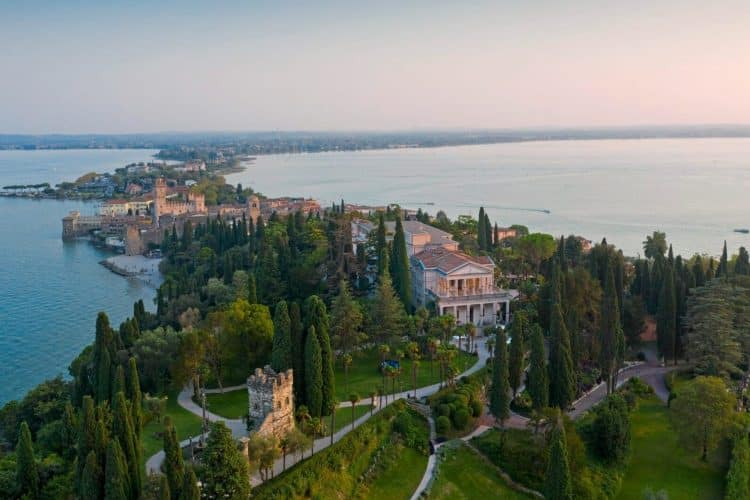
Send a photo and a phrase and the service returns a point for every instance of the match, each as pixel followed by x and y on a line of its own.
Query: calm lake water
pixel 695 190
pixel 50 290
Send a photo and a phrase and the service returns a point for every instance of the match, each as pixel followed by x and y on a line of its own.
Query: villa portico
pixel 460 285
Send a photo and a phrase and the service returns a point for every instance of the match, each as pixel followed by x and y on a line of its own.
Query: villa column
pixel 507 311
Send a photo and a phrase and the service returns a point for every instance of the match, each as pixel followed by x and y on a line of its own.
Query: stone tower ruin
pixel 270 401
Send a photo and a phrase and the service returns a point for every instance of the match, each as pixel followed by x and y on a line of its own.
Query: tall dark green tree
pixel 136 399
pixel 103 370
pixel 723 270
pixel 500 390
pixel 316 316
pixel 742 264
pixel 611 335
pixel 558 484
pixel 190 489
pixel 252 293
pixel 313 374
pixel 538 386
pixel 116 481
pixel 27 474
pixel 738 477
pixel 298 351
pixel 488 232
pixel 518 332
pixel 666 317
pixel 91 484
pixel 122 430
pixel 699 273
pixel 562 377
pixel 174 466
pixel 381 248
pixel 281 352
pixel 481 233
pixel 387 315
pixel 399 263
pixel 225 473
pixel 86 436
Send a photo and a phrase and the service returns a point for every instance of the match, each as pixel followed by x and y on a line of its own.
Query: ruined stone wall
pixel 270 401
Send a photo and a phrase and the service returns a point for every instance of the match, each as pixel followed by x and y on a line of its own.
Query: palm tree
pixel 346 360
pixel 303 415
pixel 284 445
pixel 384 349
pixel 471 332
pixel 413 350
pixel 372 400
pixel 432 346
pixel 334 405
pixel 353 399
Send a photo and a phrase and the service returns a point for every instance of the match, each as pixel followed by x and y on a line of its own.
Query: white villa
pixel 460 285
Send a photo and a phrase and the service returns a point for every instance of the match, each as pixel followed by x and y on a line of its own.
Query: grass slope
pixel 463 475
pixel 186 424
pixel 364 375
pixel 658 462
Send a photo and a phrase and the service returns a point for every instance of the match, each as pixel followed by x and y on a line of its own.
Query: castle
pixel 192 203
pixel 270 401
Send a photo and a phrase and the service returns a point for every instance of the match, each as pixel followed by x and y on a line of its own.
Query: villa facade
pixel 460 285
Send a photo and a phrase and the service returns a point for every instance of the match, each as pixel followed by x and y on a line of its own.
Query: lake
pixel 50 290
pixel 695 190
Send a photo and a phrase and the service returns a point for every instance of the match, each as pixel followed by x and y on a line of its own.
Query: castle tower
pixel 253 209
pixel 270 401
pixel 160 199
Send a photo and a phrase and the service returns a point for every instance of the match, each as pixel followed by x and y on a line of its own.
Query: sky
pixel 137 66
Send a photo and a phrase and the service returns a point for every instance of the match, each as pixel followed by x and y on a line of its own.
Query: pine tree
pixel 380 245
pixel 346 321
pixel 538 384
pixel 519 330
pixel 27 474
pixel 298 351
pixel 135 397
pixel 115 474
pixel 313 374
pixel 316 316
pixel 562 385
pixel 281 352
pixel 666 317
pixel 558 484
pixel 400 266
pixel 190 489
pixel 173 465
pixel 386 313
pixel 481 233
pixel 91 478
pixel 500 391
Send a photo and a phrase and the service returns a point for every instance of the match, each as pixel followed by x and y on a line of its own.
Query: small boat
pixel 743 231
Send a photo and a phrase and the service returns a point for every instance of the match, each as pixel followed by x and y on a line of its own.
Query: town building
pixel 270 402
pixel 504 233
pixel 420 236
pixel 188 202
pixel 191 166
pixel 460 285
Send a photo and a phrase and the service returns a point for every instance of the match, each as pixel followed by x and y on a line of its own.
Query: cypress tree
pixel 103 349
pixel 558 484
pixel 313 374
pixel 538 384
pixel 281 352
pixel 488 232
pixel 164 493
pixel 27 474
pixel 122 430
pixel 298 351
pixel 710 271
pixel 91 478
pixel 118 384
pixel 742 265
pixel 481 233
pixel 666 317
pixel 495 240
pixel 115 475
pixel 316 316
pixel 738 477
pixel 610 334
pixel 500 391
pixel 135 397
pixel 380 245
pixel 723 269
pixel 174 467
pixel 400 266
pixel 190 489
pixel 699 274
pixel 519 330
pixel 562 385
pixel 252 294
pixel 86 436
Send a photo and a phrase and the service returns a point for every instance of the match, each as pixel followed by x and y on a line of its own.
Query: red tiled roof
pixel 447 260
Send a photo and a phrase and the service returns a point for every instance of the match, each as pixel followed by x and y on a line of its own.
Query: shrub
pixel 610 431
pixel 476 407
pixel 444 410
pixel 443 424
pixel 461 418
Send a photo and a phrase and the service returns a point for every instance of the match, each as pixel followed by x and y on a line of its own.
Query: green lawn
pixel 344 417
pixel 659 463
pixel 464 475
pixel 401 478
pixel 186 424
pixel 364 375
pixel 228 405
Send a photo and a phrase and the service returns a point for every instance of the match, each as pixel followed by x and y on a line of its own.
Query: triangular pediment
pixel 468 269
